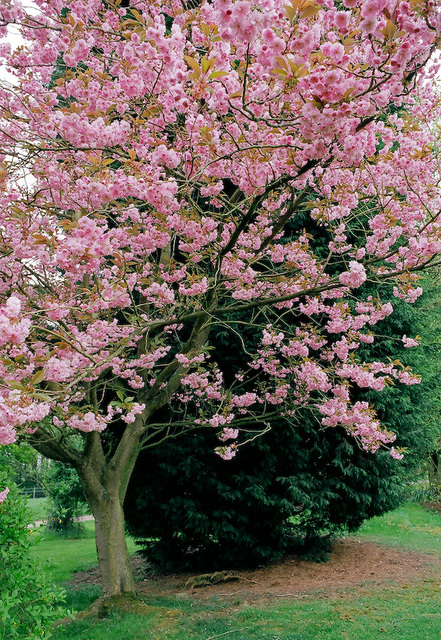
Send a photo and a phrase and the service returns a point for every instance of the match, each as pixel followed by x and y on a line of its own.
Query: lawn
pixel 61 556
pixel 410 527
pixel 38 508
pixel 370 611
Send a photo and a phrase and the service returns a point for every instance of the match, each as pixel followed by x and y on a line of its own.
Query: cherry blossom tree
pixel 154 155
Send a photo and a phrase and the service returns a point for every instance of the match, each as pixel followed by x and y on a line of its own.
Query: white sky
pixel 14 38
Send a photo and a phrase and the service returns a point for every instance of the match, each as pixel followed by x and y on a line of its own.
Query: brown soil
pixel 352 563
pixel 432 506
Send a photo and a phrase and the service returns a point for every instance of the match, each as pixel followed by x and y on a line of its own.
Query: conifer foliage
pixel 284 493
pixel 300 484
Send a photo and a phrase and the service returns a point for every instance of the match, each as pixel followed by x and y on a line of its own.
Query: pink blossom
pixel 245 400
pixel 409 342
pixel 226 453
pixel 228 434
pixel 313 376
pixel 13 328
pixel 183 359
pixel 355 276
pixel 173 170
pixel 342 19
pixel 12 308
pixel 135 409
pixel 219 419
pixel 87 422
pixel 3 494
pixel 195 288
pixel 8 434
pixel 58 370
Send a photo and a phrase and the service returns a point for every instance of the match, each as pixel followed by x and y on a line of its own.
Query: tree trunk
pixel 434 472
pixel 105 475
pixel 111 546
pixel 113 554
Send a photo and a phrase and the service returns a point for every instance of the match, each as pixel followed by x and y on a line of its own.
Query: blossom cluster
pixel 193 166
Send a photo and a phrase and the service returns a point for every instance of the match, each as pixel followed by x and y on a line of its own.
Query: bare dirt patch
pixel 432 506
pixel 352 563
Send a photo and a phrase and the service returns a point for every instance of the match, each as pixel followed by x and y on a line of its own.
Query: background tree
pixel 414 411
pixel 66 501
pixel 300 484
pixel 285 493
pixel 22 462
pixel 57 482
pixel 166 162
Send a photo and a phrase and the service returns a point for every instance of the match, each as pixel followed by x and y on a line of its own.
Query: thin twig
pixel 246 579
pixel 218 635
pixel 234 593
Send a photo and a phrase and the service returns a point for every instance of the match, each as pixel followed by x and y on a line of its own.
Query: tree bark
pixel 104 484
pixel 113 554
pixel 434 471
pixel 110 539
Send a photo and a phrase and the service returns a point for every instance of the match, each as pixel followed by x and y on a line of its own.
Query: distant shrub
pixel 65 499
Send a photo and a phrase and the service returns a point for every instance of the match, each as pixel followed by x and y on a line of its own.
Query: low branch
pixel 54 449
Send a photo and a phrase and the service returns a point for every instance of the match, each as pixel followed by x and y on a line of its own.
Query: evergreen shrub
pixel 285 492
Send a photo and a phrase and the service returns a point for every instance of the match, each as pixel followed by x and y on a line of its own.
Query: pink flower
pixel 369 24
pixel 135 409
pixel 143 227
pixel 87 422
pixel 12 307
pixel 3 494
pixel 228 434
pixel 409 342
pixel 227 453
pixel 370 9
pixel 355 276
pixel 342 19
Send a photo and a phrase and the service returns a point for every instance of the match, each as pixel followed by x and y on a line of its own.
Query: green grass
pixel 38 508
pixel 62 556
pixel 411 527
pixel 410 611
pixel 405 612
